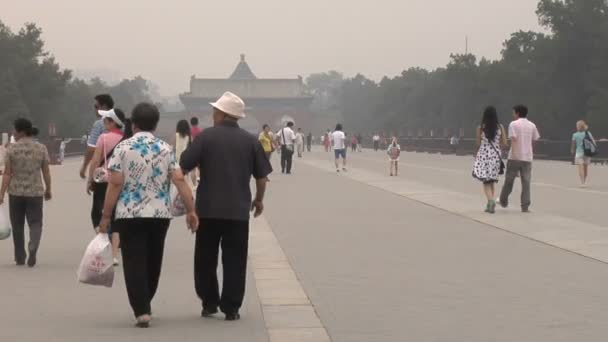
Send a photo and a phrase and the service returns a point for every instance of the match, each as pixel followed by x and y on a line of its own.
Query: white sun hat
pixel 230 104
pixel 111 114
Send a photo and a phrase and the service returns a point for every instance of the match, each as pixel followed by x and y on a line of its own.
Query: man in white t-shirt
pixel 286 138
pixel 376 139
pixel 339 142
pixel 523 133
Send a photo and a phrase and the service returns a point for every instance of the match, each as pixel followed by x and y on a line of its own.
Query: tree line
pixel 561 75
pixel 34 86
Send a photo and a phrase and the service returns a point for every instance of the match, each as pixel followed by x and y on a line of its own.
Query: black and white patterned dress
pixel 487 161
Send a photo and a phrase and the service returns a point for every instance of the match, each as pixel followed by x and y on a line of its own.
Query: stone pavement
pixel 414 258
pixel 350 257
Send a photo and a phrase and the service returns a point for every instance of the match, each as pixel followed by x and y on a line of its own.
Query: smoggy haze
pixel 170 40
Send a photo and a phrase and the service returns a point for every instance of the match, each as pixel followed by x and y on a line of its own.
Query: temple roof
pixel 245 84
pixel 242 71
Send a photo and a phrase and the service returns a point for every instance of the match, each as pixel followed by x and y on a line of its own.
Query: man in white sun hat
pixel 228 157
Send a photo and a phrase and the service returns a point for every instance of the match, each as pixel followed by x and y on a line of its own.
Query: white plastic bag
pixel 5 225
pixel 178 207
pixel 96 267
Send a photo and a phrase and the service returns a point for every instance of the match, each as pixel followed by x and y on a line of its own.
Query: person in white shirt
pixel 339 142
pixel 523 133
pixel 286 138
pixel 300 142
pixel 376 140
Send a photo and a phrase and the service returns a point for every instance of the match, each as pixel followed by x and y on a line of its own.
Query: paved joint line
pixel 550 230
pixel 288 313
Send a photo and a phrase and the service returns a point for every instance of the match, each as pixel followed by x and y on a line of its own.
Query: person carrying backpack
pixel 583 148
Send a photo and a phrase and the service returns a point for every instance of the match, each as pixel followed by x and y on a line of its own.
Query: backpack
pixel 589 146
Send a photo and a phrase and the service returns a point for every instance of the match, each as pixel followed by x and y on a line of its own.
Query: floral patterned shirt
pixel 146 163
pixel 26 158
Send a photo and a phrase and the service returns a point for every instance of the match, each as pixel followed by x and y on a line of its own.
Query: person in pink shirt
pixel 118 128
pixel 523 133
pixel 195 130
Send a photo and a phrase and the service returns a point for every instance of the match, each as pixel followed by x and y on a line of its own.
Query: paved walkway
pixel 351 257
pixel 414 259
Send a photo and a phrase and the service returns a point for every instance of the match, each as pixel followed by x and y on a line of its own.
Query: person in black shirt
pixel 228 157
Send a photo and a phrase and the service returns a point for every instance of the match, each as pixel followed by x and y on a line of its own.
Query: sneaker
pixel 116 263
pixel 338 170
pixel 344 169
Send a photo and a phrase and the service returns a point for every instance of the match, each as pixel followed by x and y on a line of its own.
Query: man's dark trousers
pixel 286 158
pixel 233 236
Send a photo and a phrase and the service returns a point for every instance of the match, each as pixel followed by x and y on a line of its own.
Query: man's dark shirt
pixel 228 157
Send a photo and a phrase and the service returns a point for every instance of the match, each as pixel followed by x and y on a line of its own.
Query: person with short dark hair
pixel 141 171
pixel 287 138
pixel 309 141
pixel 339 140
pixel 195 130
pixel 228 157
pixel 266 138
pixel 102 102
pixel 25 162
pixel 523 133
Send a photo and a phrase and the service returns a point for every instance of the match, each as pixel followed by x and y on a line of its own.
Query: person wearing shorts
pixel 580 159
pixel 339 142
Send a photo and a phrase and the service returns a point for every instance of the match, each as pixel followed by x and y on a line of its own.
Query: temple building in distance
pixel 271 101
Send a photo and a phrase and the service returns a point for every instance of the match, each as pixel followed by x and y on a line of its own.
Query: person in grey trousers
pixel 523 133
pixel 26 164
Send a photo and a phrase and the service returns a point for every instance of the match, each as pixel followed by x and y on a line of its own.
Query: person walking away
pixel 491 138
pixel 102 102
pixel 24 164
pixel 229 157
pixel 62 151
pixel 286 138
pixel 309 139
pixel 523 133
pixel 339 139
pixel 183 138
pixel 581 159
pixel 359 142
pixel 266 138
pixel 141 170
pixel 394 151
pixel 354 143
pixel 195 130
pixel 118 127
pixel 300 142
pixel 328 141
pixel 454 143
pixel 376 141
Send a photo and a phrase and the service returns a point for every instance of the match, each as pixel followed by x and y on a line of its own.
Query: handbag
pixel 100 174
pixel 502 163
pixel 287 147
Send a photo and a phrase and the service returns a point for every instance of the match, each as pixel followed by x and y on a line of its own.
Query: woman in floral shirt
pixel 141 171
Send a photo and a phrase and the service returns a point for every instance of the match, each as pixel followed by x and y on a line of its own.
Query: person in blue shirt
pixel 578 150
pixel 102 102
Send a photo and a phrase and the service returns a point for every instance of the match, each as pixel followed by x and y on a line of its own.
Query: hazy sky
pixel 167 41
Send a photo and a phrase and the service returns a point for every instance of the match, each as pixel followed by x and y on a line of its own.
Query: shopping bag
pixel 96 267
pixel 178 207
pixel 5 225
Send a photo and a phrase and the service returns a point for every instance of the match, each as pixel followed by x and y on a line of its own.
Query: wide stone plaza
pixel 349 257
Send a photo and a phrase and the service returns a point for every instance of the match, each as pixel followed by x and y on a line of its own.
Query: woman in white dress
pixel 491 137
pixel 182 138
